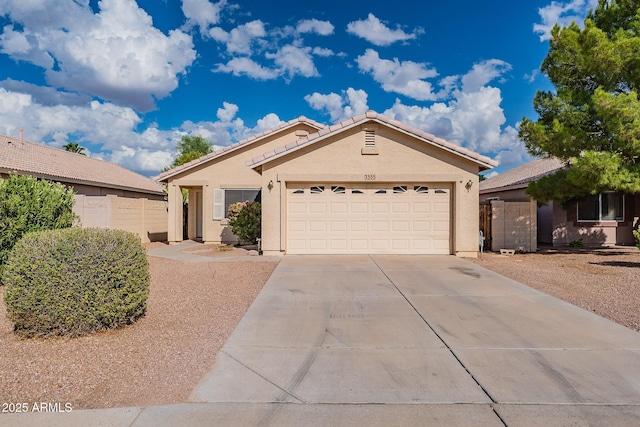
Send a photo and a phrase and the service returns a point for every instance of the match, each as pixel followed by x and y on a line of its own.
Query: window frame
pixel 619 215
pixel 222 194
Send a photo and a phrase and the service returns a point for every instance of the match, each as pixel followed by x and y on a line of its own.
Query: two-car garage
pixel 360 218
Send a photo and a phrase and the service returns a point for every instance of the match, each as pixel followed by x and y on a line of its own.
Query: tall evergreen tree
pixel 190 147
pixel 592 119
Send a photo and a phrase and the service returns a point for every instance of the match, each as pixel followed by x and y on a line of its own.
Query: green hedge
pixel 75 281
pixel 30 204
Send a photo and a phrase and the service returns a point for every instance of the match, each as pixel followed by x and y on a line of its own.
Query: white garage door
pixel 368 218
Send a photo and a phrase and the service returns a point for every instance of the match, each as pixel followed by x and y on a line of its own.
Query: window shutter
pixel 218 204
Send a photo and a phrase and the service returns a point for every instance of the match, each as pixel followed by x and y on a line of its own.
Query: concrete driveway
pixel 417 339
pixel 403 340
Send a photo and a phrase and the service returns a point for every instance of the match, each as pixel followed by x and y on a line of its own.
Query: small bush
pixel 245 221
pixel 75 281
pixel 636 236
pixel 576 243
pixel 29 204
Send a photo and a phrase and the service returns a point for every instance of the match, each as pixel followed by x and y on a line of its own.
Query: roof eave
pixel 165 179
pixel 65 180
pixel 301 144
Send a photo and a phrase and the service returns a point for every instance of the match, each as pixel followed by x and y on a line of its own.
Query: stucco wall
pixel 144 217
pixel 228 171
pixel 401 159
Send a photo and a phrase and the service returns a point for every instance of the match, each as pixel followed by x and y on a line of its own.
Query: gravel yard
pixel 194 307
pixel 191 311
pixel 605 281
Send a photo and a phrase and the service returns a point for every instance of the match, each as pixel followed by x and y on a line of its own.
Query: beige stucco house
pixel 600 219
pixel 366 185
pixel 107 195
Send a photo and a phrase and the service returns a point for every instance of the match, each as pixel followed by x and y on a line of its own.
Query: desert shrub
pixel 75 281
pixel 245 221
pixel 579 243
pixel 29 204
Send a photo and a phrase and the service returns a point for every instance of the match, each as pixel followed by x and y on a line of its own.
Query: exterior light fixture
pixel 468 185
pixel 270 185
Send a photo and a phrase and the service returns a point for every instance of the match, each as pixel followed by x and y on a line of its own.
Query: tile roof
pixel 302 119
pixel 60 165
pixel 484 161
pixel 522 174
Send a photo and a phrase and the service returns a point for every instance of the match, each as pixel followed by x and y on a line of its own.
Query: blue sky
pixel 127 78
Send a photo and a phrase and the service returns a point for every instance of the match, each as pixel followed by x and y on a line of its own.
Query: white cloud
pixel 482 73
pixel 294 60
pixel 202 12
pixel 320 51
pixel 562 13
pixel 111 132
pixel 240 39
pixel 248 67
pixel 116 54
pixel 376 32
pixel 350 103
pixel 403 77
pixel 323 28
pixel 228 112
pixel 472 117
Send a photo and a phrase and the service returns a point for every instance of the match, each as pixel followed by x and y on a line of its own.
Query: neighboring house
pixel 107 195
pixel 366 185
pixel 602 219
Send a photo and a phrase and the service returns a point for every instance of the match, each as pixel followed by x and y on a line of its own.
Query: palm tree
pixel 74 148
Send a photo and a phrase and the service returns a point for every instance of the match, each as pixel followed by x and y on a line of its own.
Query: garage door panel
pixel 368 218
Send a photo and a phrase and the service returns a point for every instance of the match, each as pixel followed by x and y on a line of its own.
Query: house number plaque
pixel 370 177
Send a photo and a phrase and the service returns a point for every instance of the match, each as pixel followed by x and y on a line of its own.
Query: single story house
pixel 601 219
pixel 369 184
pixel 107 195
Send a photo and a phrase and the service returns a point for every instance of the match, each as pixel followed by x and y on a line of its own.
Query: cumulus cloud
pixel 472 116
pixel 323 28
pixel 112 133
pixel 293 60
pixel 240 39
pixel 342 106
pixel 375 31
pixel 116 54
pixel 562 13
pixel 202 13
pixel 403 77
pixel 248 67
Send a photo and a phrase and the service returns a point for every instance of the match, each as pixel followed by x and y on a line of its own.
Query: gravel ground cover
pixel 191 311
pixel 605 281
pixel 193 308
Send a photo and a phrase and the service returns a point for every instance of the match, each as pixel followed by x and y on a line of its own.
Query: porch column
pixel 174 231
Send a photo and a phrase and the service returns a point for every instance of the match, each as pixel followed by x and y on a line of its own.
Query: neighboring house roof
pixel 522 175
pixel 51 163
pixel 483 161
pixel 162 177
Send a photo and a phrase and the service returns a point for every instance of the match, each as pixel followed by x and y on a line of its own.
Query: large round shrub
pixel 30 204
pixel 75 281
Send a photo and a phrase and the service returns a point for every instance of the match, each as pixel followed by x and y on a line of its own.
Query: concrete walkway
pixel 403 340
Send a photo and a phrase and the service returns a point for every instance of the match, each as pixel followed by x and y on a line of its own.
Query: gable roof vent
pixel 370 139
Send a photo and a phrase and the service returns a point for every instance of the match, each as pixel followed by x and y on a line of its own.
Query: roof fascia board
pixel 238 147
pixel 505 188
pixel 66 180
pixel 351 126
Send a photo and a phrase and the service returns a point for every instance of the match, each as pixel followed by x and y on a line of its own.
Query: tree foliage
pixel 74 147
pixel 190 147
pixel 29 204
pixel 592 119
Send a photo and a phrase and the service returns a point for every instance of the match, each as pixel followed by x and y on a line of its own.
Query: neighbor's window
pixel 233 196
pixel 601 207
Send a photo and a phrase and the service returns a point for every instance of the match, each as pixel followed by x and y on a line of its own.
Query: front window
pixel 601 207
pixel 233 196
